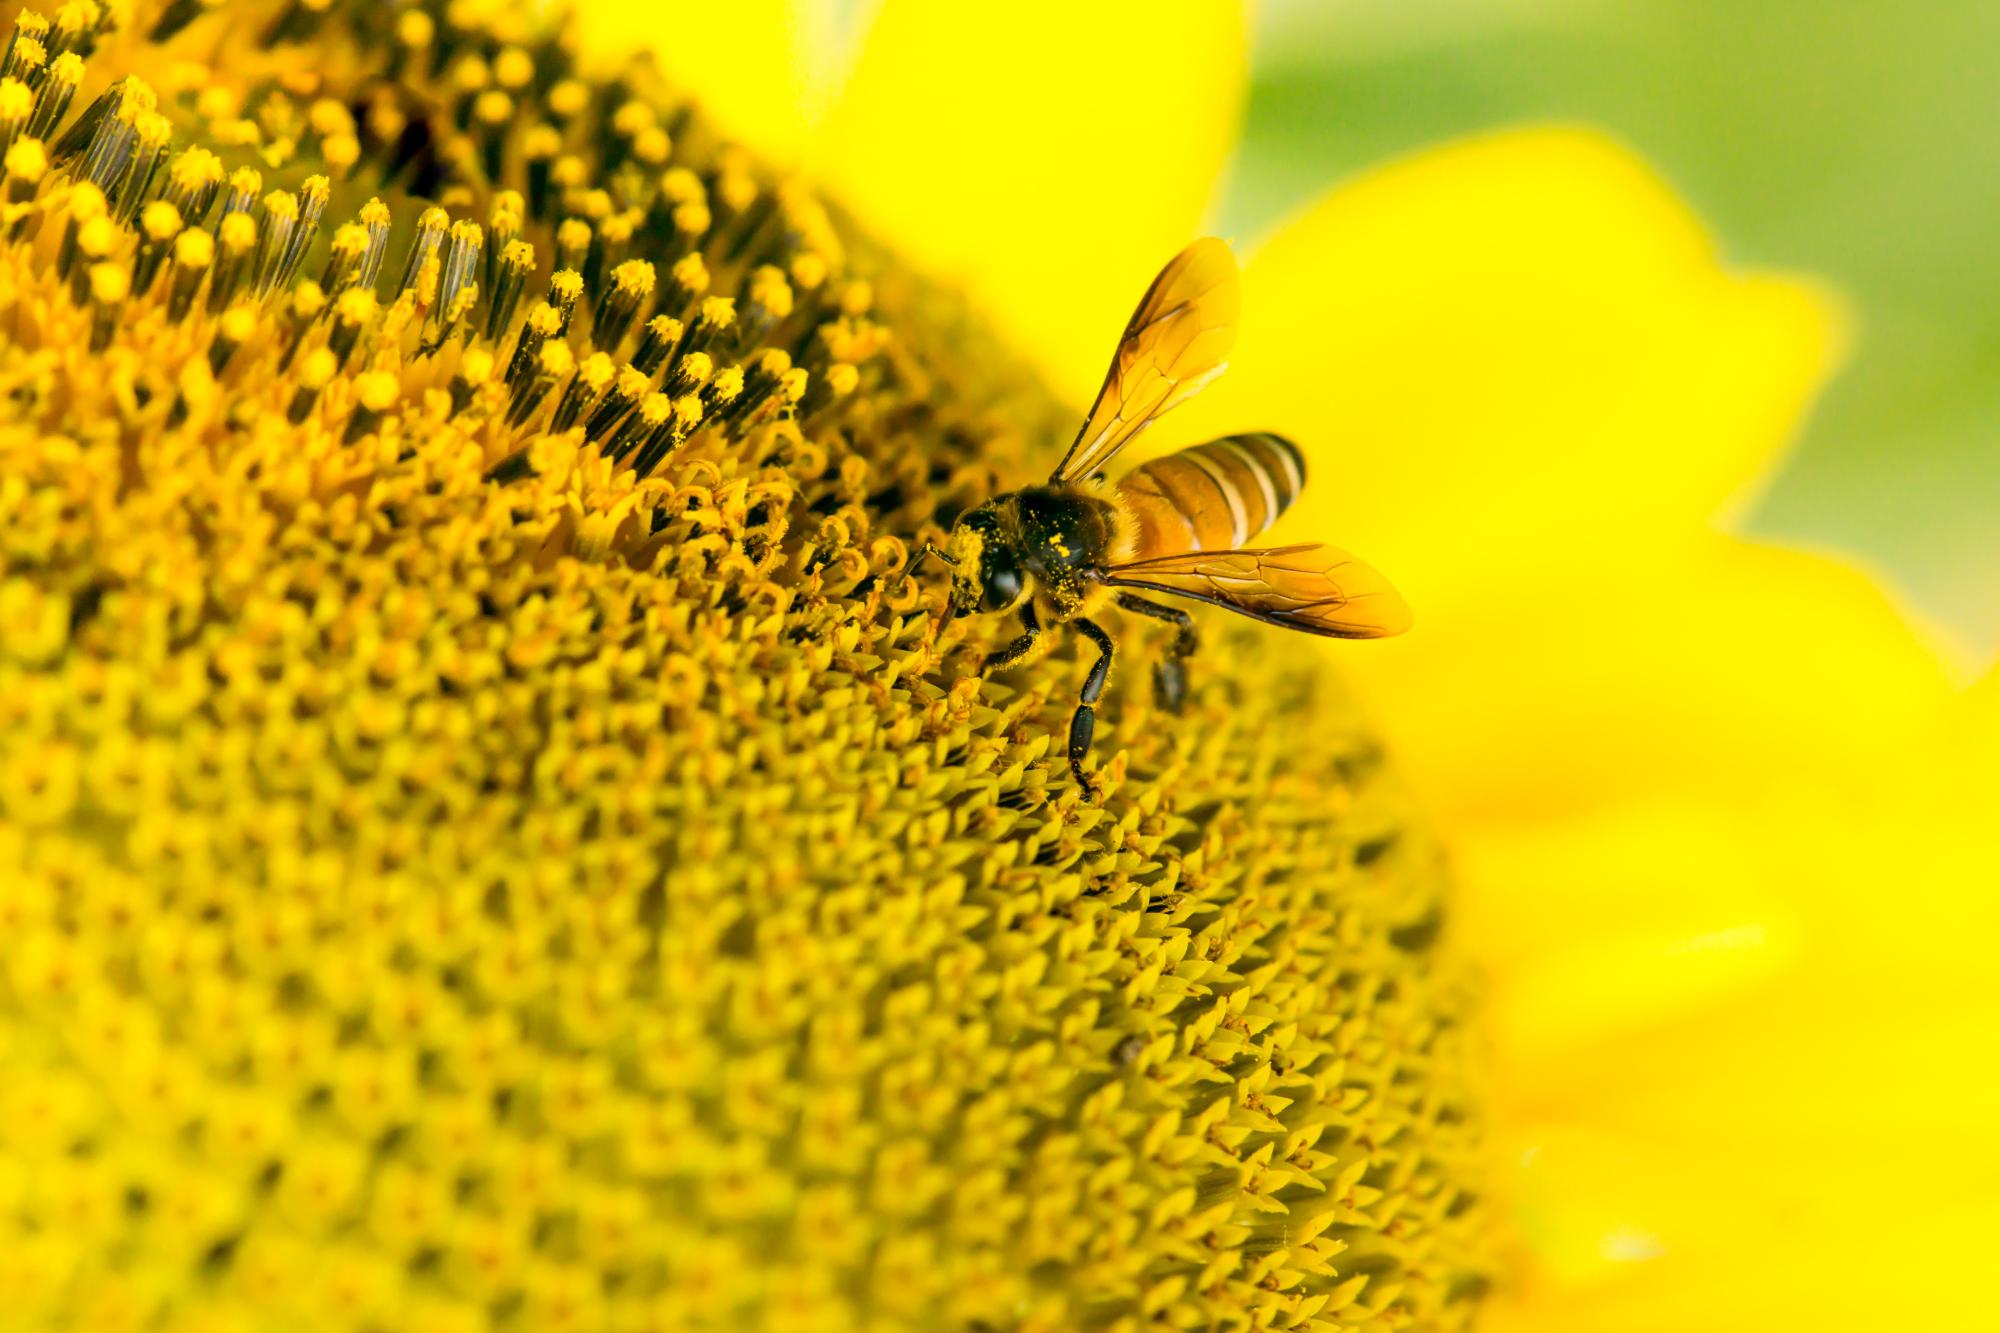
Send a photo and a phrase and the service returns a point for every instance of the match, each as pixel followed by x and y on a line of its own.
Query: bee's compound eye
pixel 1000 585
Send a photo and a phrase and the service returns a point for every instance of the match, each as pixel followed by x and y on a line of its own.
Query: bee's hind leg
pixel 1170 675
pixel 1083 722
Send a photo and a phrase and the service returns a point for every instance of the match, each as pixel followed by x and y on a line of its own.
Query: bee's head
pixel 985 576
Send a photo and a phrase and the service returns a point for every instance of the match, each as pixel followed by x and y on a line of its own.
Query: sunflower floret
pixel 488 837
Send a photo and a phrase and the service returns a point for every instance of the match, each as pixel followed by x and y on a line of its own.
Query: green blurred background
pixel 1857 140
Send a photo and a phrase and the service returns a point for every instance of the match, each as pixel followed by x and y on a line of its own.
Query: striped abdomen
pixel 1214 496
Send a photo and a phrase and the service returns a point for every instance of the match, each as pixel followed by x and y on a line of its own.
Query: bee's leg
pixel 1031 630
pixel 917 561
pixel 1169 676
pixel 1083 722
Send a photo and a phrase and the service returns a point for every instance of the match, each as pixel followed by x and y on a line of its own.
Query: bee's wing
pixel 1178 340
pixel 1318 589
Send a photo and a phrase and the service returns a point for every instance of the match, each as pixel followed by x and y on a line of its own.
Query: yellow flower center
pixel 487 837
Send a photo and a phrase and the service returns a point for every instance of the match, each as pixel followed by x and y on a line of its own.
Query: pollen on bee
pixel 965 547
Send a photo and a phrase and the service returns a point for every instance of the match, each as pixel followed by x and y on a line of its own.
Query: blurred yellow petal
pixel 759 67
pixel 1807 1137
pixel 1740 1138
pixel 1725 668
pixel 1047 156
pixel 1596 927
pixel 1511 357
pixel 1639 1234
pixel 1973 739
pixel 1602 926
pixel 1984 700
pixel 1813 1062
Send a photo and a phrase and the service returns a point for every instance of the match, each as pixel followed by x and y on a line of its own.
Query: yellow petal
pixel 1756 1141
pixel 1775 1160
pixel 1973 737
pixel 758 67
pixel 1639 1233
pixel 1721 667
pixel 1510 356
pixel 1599 927
pixel 1049 156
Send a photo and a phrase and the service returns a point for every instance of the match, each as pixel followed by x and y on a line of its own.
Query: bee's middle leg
pixel 1083 722
pixel 1031 630
pixel 1170 675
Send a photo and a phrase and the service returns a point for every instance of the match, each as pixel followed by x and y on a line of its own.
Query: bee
pixel 1178 525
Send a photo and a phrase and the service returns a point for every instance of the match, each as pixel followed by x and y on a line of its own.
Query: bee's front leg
pixel 1031 630
pixel 1169 676
pixel 1083 722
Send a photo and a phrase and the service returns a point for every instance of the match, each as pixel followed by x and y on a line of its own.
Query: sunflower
pixel 488 840
pixel 1720 818
pixel 489 836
